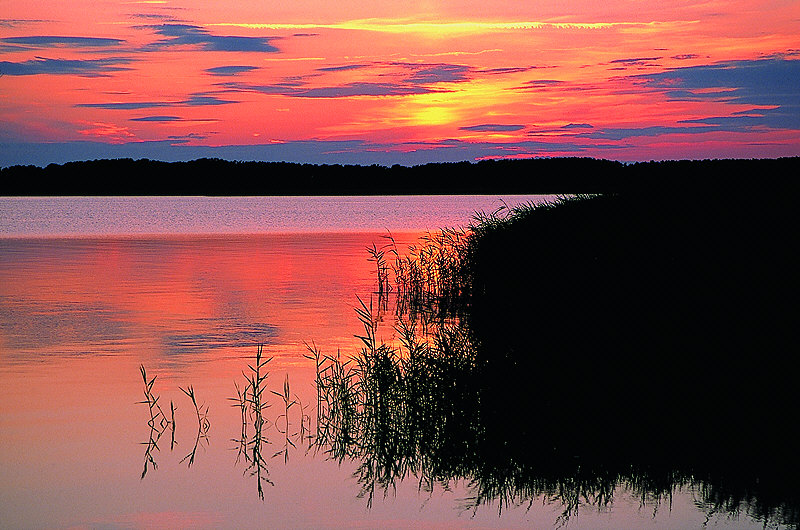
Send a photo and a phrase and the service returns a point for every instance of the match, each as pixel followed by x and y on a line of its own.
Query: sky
pixel 398 82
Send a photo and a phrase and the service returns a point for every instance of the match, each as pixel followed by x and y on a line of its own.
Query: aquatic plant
pixel 385 408
pixel 288 403
pixel 158 422
pixel 377 255
pixel 251 402
pixel 158 419
pixel 203 424
pixel 430 281
pixel 335 390
pixel 319 360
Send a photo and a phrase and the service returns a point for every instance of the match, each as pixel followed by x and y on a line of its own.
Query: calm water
pixel 92 288
pixel 85 216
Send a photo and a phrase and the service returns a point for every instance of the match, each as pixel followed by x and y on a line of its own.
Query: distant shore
pixel 526 176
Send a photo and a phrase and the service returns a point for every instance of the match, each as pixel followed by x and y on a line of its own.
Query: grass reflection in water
pixel 203 425
pixel 158 422
pixel 416 412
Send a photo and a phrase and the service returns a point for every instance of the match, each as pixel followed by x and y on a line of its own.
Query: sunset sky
pixel 398 82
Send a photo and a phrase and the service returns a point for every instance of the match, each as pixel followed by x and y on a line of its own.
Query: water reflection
pixel 54 397
pixel 431 410
pixel 291 425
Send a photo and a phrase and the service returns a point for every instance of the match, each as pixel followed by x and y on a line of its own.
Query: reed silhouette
pixel 158 422
pixel 203 425
pixel 641 340
pixel 252 405
pixel 251 401
pixel 283 424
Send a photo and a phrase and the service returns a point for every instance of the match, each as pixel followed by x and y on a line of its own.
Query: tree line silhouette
pixel 211 176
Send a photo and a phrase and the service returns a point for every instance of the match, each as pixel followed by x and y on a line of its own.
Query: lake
pixel 94 289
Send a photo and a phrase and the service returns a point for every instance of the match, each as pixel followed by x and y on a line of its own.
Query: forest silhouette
pixel 540 175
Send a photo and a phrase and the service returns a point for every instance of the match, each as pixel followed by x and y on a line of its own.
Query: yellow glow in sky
pixel 621 80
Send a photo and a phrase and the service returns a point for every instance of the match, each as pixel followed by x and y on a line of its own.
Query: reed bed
pixel 501 379
pixel 416 412
pixel 435 280
pixel 430 281
pixel 387 407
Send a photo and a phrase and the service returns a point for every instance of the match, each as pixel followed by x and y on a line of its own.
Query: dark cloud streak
pixel 309 151
pixel 223 71
pixel 81 67
pixel 635 60
pixel 157 118
pixel 51 41
pixel 341 68
pixel 195 100
pixel 439 73
pixel 189 35
pixel 492 127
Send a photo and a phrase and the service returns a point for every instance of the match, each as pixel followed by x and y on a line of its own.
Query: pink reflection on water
pixel 80 316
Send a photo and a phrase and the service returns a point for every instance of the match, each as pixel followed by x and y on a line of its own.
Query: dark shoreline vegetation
pixel 567 352
pixel 526 176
